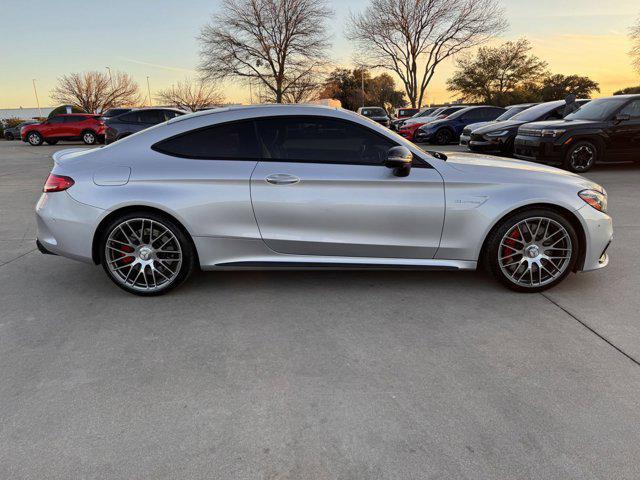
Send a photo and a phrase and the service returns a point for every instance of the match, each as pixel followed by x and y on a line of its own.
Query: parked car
pixel 136 120
pixel 500 136
pixel 512 110
pixel 402 113
pixel 606 130
pixel 73 126
pixel 310 187
pixel 13 133
pixel 114 112
pixel 410 126
pixel 395 124
pixel 377 114
pixel 448 130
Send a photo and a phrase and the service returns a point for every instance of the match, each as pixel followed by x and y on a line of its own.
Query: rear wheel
pixel 443 137
pixel 146 253
pixel 532 251
pixel 34 138
pixel 581 157
pixel 89 137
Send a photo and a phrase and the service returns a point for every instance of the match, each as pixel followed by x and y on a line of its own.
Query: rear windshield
pixel 513 111
pixel 373 112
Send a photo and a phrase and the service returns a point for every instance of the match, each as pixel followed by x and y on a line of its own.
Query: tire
pixel 524 232
pixel 51 142
pixel 581 156
pixel 34 139
pixel 149 267
pixel 9 136
pixel 89 137
pixel 443 137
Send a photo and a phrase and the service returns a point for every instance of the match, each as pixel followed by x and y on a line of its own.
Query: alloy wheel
pixel 34 139
pixel 143 254
pixel 583 157
pixel 89 138
pixel 535 252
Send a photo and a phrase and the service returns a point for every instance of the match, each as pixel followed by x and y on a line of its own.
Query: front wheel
pixel 146 254
pixel 532 251
pixel 581 157
pixel 9 136
pixel 89 138
pixel 34 138
pixel 443 137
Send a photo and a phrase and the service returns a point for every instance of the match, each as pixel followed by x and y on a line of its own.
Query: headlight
pixel 553 133
pixel 596 199
pixel 501 133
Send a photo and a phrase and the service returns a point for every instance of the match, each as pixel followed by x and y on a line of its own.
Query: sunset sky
pixel 158 38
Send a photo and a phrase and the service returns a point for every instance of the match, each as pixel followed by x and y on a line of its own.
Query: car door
pixel 321 188
pixel 625 134
pixel 54 127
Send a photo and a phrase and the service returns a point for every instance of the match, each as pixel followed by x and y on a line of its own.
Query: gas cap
pixel 112 176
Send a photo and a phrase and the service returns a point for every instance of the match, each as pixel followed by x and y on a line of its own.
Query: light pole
pixel 37 100
pixel 149 90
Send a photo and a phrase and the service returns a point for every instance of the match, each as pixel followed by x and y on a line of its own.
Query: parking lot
pixel 314 375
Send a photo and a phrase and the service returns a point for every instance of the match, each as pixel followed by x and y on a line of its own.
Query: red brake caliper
pixel 511 242
pixel 124 258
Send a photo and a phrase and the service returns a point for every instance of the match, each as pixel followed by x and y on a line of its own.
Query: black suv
pixel 605 130
pixel 136 120
pixel 500 136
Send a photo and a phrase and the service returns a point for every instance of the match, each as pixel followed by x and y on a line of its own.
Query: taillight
pixel 57 183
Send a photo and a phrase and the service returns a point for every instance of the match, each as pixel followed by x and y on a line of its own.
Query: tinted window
pixel 373 112
pixel 130 117
pixel 600 109
pixel 321 140
pixel 453 112
pixel 539 112
pixel 151 116
pixel 632 109
pixel 169 114
pixel 56 120
pixel 230 141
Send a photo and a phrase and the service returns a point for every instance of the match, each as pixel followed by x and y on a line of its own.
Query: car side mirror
pixel 622 117
pixel 400 160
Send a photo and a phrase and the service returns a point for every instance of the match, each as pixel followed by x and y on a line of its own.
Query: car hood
pixel 516 171
pixel 475 126
pixel 563 124
pixel 497 126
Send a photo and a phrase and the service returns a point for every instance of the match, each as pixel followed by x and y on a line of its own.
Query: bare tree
pixel 635 50
pixel 402 35
pixel 303 90
pixel 191 95
pixel 96 91
pixel 273 43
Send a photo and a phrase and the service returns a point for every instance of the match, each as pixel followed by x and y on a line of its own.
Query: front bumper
pixel 65 226
pixel 598 229
pixel 464 140
pixel 537 149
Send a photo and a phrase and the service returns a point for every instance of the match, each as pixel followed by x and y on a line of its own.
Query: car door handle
pixel 282 179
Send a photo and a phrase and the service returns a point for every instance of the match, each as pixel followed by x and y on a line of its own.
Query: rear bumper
pixel 65 226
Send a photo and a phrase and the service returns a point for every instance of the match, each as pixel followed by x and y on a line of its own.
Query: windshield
pixel 426 112
pixel 597 109
pixel 536 113
pixel 513 111
pixel 373 112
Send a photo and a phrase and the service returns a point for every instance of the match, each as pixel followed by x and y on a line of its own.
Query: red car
pixel 75 126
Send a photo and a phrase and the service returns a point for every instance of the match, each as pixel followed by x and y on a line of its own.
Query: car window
pixel 133 117
pixel 169 114
pixel 632 109
pixel 151 116
pixel 321 140
pixel 56 120
pixel 600 109
pixel 555 114
pixel 230 141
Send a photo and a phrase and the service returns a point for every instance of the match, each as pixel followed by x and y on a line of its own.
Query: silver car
pixel 302 187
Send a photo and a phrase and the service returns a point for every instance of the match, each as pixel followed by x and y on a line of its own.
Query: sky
pixel 157 38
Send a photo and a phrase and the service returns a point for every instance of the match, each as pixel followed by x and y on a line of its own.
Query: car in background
pixel 114 112
pixel 377 114
pixel 402 113
pixel 410 126
pixel 13 133
pixel 511 111
pixel 500 136
pixel 425 112
pixel 69 127
pixel 137 120
pixel 606 130
pixel 448 130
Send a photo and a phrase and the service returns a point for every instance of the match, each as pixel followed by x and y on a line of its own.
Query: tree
pixel 497 75
pixel 303 90
pixel 635 50
pixel 96 91
pixel 412 37
pixel 346 86
pixel 191 95
pixel 557 87
pixel 276 44
pixel 628 91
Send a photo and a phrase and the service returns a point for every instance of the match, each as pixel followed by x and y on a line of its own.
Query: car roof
pixel 308 108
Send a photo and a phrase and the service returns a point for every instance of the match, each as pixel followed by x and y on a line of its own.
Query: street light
pixel 149 90
pixel 37 100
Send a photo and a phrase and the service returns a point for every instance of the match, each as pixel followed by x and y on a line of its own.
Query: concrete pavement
pixel 314 375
